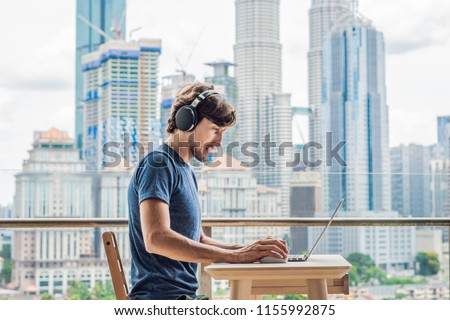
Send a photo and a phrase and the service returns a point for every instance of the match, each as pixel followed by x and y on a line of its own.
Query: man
pixel 166 238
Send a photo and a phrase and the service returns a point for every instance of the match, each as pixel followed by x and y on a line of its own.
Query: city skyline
pixel 48 78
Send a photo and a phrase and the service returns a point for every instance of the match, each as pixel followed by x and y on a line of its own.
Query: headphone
pixel 186 117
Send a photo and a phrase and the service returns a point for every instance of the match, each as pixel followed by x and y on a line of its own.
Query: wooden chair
pixel 115 265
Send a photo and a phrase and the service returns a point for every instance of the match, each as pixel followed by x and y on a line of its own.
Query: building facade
pixel 258 71
pixel 411 180
pixel 121 101
pixel 54 184
pixel 228 190
pixel 226 85
pixel 306 201
pixel 355 112
pixel 323 14
pixel 109 16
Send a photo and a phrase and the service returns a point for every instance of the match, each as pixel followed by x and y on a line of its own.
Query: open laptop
pixel 298 258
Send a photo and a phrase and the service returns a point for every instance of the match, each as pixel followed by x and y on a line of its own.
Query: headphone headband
pixel 202 96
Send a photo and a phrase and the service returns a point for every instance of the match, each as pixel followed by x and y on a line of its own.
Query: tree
pixel 5 273
pixel 364 269
pixel 103 292
pixel 47 296
pixel 428 263
pixel 295 297
pixel 79 291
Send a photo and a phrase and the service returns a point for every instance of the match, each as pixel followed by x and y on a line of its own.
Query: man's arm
pixel 160 239
pixel 208 240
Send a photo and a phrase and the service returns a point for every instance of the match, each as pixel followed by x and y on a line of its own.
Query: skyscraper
pixel 354 111
pixel 121 100
pixel 53 184
pixel 226 85
pixel 444 135
pixel 262 107
pixel 109 17
pixel 322 16
pixel 257 55
pixel 410 180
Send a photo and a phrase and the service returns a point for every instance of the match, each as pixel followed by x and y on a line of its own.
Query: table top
pixel 316 267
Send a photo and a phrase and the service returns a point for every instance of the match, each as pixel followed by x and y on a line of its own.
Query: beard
pixel 200 153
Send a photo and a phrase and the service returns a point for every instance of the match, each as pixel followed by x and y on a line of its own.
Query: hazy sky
pixel 37 62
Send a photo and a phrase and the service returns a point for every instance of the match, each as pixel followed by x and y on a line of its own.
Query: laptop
pixel 299 257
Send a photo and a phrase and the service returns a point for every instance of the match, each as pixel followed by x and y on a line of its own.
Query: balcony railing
pixel 209 223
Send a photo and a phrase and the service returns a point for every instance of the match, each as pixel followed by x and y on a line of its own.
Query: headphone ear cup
pixel 186 118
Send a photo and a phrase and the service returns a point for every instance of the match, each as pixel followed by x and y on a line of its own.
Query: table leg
pixel 240 289
pixel 317 289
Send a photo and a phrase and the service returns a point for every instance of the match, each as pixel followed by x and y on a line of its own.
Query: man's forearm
pixel 175 246
pixel 212 242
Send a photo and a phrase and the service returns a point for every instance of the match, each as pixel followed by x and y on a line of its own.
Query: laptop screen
pixel 325 229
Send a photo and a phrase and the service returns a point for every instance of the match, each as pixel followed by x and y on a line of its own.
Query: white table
pixel 316 277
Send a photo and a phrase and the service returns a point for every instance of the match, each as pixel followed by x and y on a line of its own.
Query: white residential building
pixel 121 97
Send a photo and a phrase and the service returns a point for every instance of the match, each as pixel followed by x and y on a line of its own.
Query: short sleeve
pixel 156 177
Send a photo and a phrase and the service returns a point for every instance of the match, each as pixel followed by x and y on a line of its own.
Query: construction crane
pixel 94 27
pixel 183 67
pixel 117 28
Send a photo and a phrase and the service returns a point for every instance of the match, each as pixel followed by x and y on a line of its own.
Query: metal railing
pixel 209 223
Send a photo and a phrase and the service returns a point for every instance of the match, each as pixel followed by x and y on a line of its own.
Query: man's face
pixel 205 137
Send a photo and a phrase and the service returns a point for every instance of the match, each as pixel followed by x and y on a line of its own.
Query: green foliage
pixel 47 296
pixel 400 296
pixel 5 273
pixel 103 292
pixel 428 263
pixel 269 297
pixel 295 297
pixel 364 269
pixel 79 291
pixel 396 280
pixel 220 292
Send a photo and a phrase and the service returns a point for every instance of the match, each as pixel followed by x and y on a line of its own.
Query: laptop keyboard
pixel 296 257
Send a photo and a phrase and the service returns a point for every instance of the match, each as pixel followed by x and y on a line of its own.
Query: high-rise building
pixel 410 180
pixel 169 89
pixel 228 190
pixel 444 135
pixel 52 184
pixel 439 186
pixel 257 55
pixel 306 200
pixel 444 154
pixel 225 84
pixel 322 16
pixel 262 107
pixel 121 101
pixel 354 111
pixel 109 17
pixel 391 248
pixel 275 167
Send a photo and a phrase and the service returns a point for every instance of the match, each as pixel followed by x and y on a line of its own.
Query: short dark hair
pixel 215 108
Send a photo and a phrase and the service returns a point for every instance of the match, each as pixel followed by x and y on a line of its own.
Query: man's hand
pixel 268 247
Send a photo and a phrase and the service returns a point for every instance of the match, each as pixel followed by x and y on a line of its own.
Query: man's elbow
pixel 153 242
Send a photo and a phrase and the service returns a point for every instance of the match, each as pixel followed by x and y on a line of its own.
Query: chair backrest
pixel 115 265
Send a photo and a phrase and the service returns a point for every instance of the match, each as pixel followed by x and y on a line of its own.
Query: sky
pixel 37 62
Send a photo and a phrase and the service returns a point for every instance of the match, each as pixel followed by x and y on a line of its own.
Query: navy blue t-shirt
pixel 163 174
